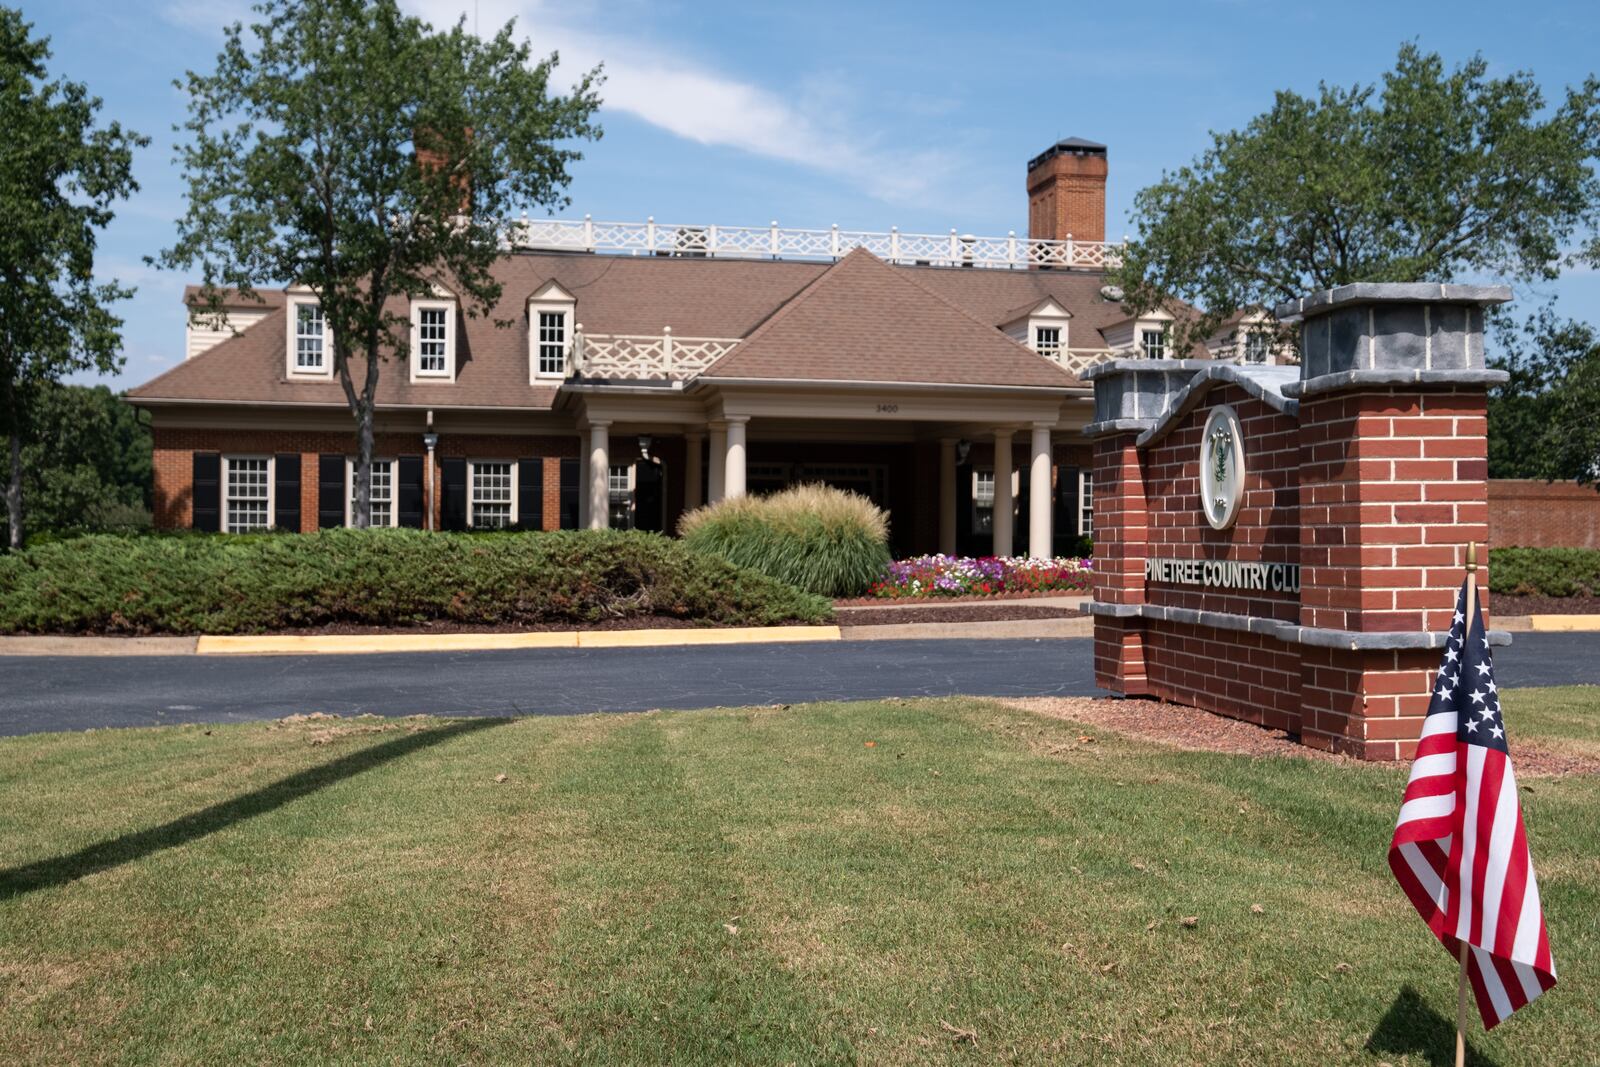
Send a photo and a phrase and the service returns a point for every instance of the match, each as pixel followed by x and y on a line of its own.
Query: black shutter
pixel 206 492
pixel 530 493
pixel 1066 514
pixel 569 494
pixel 331 492
pixel 286 491
pixel 408 494
pixel 453 494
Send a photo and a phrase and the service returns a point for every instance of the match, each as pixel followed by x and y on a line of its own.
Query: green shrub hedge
pixel 1557 572
pixel 815 537
pixel 221 584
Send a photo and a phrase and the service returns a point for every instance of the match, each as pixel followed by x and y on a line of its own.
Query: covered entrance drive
pixel 969 439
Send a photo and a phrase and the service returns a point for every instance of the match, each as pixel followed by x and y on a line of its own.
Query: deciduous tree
pixel 59 176
pixel 1545 421
pixel 344 146
pixel 1434 176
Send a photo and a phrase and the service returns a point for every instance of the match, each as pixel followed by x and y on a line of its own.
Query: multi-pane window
pixel 1153 344
pixel 1047 341
pixel 382 492
pixel 491 500
pixel 310 335
pixel 432 336
pixel 248 503
pixel 1257 346
pixel 1086 503
pixel 982 501
pixel 552 342
pixel 619 483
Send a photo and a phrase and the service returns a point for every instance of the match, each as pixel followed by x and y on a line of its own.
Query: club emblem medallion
pixel 1221 468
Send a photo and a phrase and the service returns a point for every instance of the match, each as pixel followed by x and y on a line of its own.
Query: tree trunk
pixel 14 492
pixel 361 506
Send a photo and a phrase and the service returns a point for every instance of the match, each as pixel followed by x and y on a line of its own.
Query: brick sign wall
pixel 1321 608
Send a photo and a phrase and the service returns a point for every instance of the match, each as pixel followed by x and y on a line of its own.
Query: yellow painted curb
pixel 336 644
pixel 1564 623
pixel 740 635
pixel 351 644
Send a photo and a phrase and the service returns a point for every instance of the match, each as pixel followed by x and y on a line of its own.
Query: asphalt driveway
pixel 45 693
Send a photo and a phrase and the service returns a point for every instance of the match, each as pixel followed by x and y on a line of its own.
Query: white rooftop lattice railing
pixel 668 357
pixel 651 238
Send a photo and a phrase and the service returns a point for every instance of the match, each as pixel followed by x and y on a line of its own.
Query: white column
pixel 599 475
pixel 1040 506
pixel 719 459
pixel 693 493
pixel 583 483
pixel 733 470
pixel 1003 502
pixel 947 495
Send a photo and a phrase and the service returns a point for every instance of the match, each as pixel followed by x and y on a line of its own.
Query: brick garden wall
pixel 1534 514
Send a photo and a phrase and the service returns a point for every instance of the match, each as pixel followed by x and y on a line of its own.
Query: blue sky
pixel 920 115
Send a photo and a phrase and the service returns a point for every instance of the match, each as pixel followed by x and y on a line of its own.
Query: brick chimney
pixel 1067 192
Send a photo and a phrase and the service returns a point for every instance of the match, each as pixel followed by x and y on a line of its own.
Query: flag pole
pixel 1461 976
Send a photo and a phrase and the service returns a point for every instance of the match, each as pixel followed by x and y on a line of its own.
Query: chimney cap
pixel 1075 146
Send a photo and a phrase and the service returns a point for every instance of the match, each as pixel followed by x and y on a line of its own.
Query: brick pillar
pixel 1393 486
pixel 1129 395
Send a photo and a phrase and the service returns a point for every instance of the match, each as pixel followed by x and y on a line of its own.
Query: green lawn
pixel 757 885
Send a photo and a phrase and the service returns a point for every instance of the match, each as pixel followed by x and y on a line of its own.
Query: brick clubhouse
pixel 649 368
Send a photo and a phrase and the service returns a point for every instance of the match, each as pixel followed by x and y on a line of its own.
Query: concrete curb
pixel 352 644
pixel 1003 629
pixel 1563 623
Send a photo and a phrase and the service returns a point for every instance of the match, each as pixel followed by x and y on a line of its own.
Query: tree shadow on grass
pixel 60 870
pixel 1410 1026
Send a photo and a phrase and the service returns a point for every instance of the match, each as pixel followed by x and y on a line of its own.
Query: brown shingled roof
pixel 725 298
pixel 865 321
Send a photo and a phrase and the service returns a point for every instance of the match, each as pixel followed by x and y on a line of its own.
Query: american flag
pixel 1459 850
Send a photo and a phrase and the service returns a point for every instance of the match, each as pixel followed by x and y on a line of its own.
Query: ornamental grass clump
pixel 227 583
pixel 936 576
pixel 814 537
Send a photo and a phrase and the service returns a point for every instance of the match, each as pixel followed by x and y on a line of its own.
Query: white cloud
pixel 694 101
pixel 687 98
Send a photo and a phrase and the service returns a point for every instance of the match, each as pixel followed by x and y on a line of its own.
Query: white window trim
pixel 976 506
pixel 449 309
pixel 1085 490
pixel 1036 325
pixel 516 477
pixel 566 310
pixel 1153 327
pixel 350 489
pixel 296 301
pixel 272 491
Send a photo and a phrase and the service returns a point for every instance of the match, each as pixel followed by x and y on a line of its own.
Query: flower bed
pixel 953 576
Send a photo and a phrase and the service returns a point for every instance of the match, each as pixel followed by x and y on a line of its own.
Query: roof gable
pixel 864 321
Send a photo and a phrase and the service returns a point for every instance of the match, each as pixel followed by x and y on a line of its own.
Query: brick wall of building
pixel 1534 514
pixel 174 450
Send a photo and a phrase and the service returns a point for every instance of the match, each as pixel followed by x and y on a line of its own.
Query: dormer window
pixel 1257 346
pixel 433 339
pixel 551 329
pixel 1047 341
pixel 1153 343
pixel 310 352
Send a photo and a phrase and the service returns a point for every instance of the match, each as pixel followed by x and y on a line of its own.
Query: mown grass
pixel 827 883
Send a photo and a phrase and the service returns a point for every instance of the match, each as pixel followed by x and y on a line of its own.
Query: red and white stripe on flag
pixel 1460 851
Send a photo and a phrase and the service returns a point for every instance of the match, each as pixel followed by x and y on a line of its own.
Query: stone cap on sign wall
pixel 1267 383
pixel 1133 394
pixel 1391 333
pixel 1293 633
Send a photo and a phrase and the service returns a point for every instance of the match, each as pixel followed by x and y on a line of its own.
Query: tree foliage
pixel 86 464
pixel 59 176
pixel 1436 175
pixel 1545 421
pixel 346 147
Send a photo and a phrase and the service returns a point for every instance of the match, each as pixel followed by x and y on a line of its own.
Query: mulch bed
pixel 967 611
pixel 1201 731
pixel 1502 604
pixel 648 622
pixel 987 598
